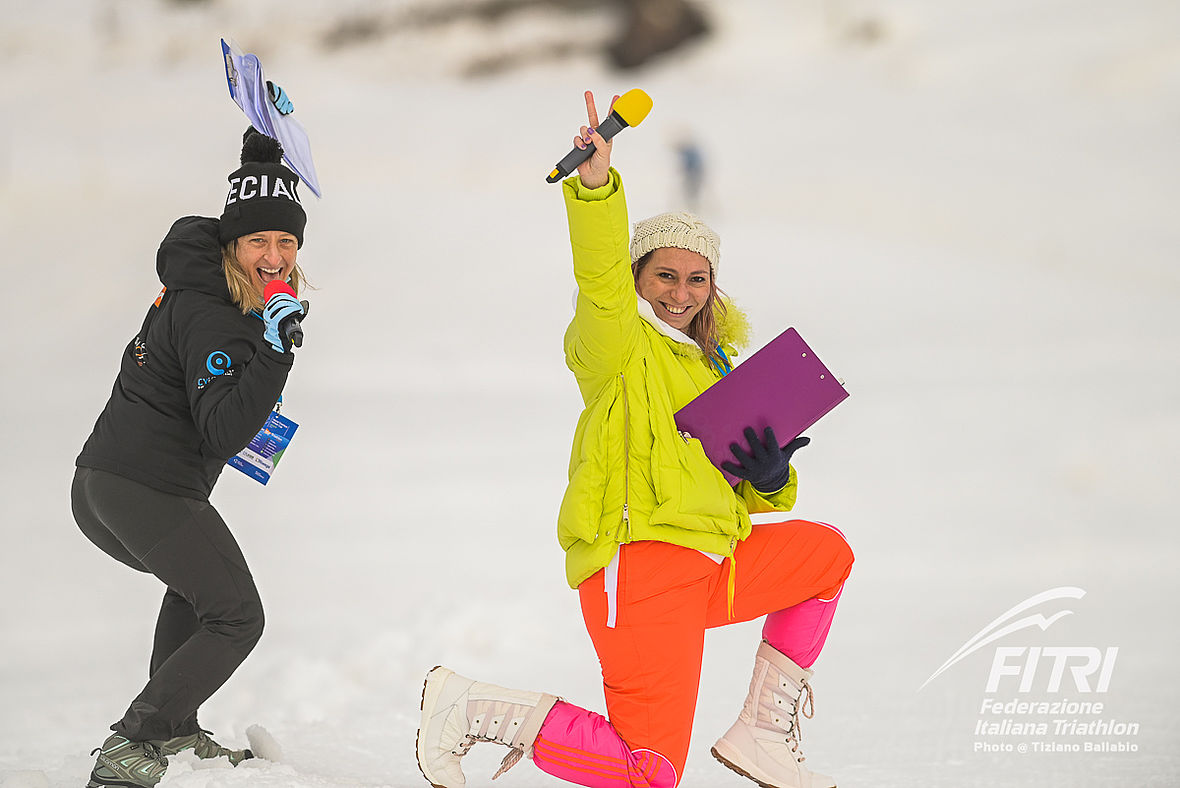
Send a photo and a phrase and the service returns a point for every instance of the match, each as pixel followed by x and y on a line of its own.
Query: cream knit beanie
pixel 680 229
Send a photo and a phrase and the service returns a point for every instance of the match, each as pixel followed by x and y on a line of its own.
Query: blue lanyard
pixel 725 368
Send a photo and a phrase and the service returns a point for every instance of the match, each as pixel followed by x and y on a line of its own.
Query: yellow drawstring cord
pixel 731 592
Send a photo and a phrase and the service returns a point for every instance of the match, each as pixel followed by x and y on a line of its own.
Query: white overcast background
pixel 969 210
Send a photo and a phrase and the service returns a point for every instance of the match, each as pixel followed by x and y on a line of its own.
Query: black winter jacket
pixel 198 381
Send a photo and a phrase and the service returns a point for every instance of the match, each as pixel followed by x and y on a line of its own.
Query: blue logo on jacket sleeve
pixel 218 362
pixel 219 365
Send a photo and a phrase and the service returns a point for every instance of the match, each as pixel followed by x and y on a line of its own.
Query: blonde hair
pixel 242 291
pixel 705 326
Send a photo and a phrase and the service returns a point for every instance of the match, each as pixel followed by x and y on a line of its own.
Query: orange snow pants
pixel 647 614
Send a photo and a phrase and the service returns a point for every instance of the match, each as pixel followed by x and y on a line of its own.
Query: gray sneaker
pixel 123 763
pixel 203 745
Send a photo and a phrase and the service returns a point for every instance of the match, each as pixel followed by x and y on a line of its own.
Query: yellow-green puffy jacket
pixel 632 475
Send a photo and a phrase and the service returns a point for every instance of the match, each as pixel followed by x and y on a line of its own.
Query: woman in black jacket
pixel 195 385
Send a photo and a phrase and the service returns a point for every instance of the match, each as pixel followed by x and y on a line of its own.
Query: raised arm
pixel 606 331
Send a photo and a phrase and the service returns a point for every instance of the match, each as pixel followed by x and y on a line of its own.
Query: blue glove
pixel 767 467
pixel 280 99
pixel 279 316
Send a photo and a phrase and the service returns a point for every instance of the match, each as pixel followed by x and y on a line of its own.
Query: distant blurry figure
pixel 652 27
pixel 692 170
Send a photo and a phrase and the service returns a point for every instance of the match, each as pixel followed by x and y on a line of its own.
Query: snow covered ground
pixel 968 209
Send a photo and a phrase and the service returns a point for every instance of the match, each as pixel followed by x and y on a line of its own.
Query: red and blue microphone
pixel 290 328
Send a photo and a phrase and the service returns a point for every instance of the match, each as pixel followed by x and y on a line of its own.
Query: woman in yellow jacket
pixel 659 546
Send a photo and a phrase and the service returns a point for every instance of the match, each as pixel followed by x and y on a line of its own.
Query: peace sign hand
pixel 595 171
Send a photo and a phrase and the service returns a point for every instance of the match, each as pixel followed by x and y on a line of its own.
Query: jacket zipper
pixel 686 437
pixel 626 458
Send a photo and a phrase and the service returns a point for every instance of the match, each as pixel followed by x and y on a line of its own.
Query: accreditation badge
pixel 259 458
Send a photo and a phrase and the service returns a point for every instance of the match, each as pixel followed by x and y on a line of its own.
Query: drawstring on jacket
pixel 731 592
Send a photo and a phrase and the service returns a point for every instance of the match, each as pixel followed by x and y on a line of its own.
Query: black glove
pixel 766 467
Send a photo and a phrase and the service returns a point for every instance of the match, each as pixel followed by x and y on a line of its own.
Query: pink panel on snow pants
pixel 582 747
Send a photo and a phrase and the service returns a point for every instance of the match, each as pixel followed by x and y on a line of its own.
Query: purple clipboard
pixel 784 385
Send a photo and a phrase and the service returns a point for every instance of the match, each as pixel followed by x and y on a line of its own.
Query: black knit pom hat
pixel 263 194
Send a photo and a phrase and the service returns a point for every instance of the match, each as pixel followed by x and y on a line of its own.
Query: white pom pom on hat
pixel 680 229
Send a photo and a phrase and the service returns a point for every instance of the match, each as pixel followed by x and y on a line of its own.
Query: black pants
pixel 211 617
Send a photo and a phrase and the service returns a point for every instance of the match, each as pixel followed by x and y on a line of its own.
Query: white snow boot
pixel 764 742
pixel 458 712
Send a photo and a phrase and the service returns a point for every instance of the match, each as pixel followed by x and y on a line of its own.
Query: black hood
pixel 190 257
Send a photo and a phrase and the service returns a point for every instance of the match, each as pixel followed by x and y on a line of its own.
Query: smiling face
pixel 266 256
pixel 677 284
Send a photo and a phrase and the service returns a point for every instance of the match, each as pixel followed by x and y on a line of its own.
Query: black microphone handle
pixel 608 128
pixel 293 331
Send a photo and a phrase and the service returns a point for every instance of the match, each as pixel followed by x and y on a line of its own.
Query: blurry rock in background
pixel 466 38
pixel 642 29
pixel 852 24
pixel 654 27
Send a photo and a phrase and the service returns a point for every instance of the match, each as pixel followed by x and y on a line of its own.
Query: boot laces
pixel 802 704
pixel 149 749
pixel 805 705
pixel 485 718
pixel 511 759
pixel 470 740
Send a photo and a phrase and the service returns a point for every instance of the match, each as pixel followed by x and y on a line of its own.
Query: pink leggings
pixel 656 602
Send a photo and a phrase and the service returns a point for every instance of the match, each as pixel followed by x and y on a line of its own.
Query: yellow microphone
pixel 629 110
